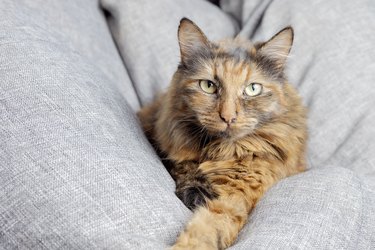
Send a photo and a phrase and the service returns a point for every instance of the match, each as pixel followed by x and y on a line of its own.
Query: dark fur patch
pixel 219 243
pixel 191 65
pixel 199 133
pixel 194 190
pixel 281 154
pixel 270 66
pixel 193 197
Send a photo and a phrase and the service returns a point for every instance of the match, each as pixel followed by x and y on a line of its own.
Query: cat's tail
pixel 216 225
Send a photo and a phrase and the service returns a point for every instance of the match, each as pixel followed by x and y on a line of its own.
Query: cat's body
pixel 231 127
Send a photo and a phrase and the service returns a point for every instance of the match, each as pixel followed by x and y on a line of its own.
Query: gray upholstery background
pixel 76 171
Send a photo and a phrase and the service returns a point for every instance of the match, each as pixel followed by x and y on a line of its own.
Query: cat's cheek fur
pixel 205 106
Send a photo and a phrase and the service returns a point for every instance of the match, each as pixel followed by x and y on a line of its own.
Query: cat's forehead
pixel 233 62
pixel 229 61
pixel 233 49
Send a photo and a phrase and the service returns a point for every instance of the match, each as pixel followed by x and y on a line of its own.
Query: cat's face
pixel 231 87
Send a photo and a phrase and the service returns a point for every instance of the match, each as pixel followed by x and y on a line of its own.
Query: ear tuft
pixel 190 38
pixel 278 47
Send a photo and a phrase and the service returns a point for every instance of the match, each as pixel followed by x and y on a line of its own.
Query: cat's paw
pixel 193 247
pixel 195 196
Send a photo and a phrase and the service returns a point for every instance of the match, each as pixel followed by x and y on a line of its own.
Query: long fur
pixel 222 170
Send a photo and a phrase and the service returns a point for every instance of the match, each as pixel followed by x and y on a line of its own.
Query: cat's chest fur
pixel 277 142
pixel 222 149
pixel 227 150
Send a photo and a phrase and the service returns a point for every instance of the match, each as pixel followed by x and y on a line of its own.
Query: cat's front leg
pixel 192 186
pixel 239 184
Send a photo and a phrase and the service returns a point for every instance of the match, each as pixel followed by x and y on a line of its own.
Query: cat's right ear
pixel 190 38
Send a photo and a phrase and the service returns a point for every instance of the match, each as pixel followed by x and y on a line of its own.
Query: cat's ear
pixel 278 47
pixel 190 38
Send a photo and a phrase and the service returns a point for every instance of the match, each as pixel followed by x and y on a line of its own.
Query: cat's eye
pixel 208 86
pixel 253 89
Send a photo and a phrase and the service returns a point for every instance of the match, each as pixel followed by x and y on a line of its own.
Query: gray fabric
pixel 76 171
pixel 328 208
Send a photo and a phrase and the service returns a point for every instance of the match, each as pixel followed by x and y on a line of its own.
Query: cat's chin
pixel 223 131
pixel 232 134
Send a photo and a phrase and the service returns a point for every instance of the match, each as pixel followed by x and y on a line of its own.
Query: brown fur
pixel 222 170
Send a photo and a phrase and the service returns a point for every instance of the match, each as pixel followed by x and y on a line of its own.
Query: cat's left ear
pixel 190 38
pixel 278 47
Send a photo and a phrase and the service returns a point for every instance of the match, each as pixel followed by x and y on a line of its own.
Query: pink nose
pixel 228 118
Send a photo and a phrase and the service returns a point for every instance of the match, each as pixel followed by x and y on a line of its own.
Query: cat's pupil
pixel 209 84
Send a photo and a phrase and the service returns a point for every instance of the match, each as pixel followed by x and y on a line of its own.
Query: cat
pixel 230 127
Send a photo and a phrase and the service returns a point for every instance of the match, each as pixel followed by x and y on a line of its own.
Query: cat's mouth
pixel 227 131
pixel 223 130
pixel 224 134
pixel 233 132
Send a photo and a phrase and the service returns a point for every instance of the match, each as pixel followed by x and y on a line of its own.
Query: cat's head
pixel 231 87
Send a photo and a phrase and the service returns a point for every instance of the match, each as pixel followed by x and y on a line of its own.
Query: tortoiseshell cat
pixel 231 127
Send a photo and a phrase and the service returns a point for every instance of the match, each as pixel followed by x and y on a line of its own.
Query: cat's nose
pixel 228 118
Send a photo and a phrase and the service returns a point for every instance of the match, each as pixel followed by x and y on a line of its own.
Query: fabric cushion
pixel 76 171
pixel 326 208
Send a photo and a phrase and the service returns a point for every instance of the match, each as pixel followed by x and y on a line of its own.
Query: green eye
pixel 253 89
pixel 207 86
